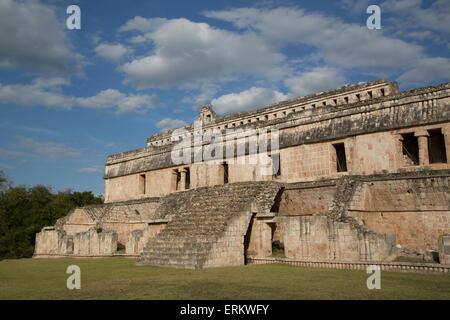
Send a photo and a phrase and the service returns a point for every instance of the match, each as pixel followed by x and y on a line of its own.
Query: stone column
pixel 182 182
pixel 446 133
pixel 174 181
pixel 422 137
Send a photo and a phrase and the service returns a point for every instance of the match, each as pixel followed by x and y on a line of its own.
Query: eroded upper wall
pixel 370 131
pixel 379 152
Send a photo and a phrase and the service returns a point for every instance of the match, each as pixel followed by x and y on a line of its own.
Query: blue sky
pixel 69 98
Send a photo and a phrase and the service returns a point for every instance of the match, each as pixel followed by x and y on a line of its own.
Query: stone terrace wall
pixel 323 238
pixel 415 208
pixel 51 242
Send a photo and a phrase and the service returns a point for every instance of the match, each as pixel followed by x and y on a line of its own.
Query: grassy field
pixel 119 278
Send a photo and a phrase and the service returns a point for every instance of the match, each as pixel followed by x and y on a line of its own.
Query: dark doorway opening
pixel 142 183
pixel 225 172
pixel 341 159
pixel 436 147
pixel 410 147
pixel 187 183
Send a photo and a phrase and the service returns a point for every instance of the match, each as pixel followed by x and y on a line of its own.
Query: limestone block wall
pixel 121 217
pixel 307 162
pixel 306 201
pixel 416 210
pixel 78 221
pixel 370 128
pixel 260 241
pixel 93 243
pixel 137 239
pixel 322 238
pixel 229 248
pixel 444 249
pixel 51 242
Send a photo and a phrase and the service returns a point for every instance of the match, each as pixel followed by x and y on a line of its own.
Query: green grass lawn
pixel 119 278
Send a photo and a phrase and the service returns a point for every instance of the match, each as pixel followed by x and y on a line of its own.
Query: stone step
pixel 199 218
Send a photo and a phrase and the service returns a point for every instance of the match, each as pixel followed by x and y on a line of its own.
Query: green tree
pixel 24 211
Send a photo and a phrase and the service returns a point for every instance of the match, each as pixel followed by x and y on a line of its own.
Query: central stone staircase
pixel 205 220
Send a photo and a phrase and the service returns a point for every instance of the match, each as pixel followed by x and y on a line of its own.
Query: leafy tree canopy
pixel 24 211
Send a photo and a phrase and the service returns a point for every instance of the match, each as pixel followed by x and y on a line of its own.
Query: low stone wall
pixel 323 238
pixel 52 242
pixel 93 243
pixel 356 265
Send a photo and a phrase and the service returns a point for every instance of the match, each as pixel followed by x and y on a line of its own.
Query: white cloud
pixel 113 52
pixel 318 79
pixel 432 69
pixel 49 149
pixel 412 14
pixel 247 100
pixel 31 36
pixel 188 54
pixel 47 93
pixel 169 123
pixel 139 23
pixel 41 92
pixel 338 43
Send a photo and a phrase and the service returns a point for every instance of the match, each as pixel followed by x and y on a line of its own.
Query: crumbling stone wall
pixel 137 239
pixel 370 129
pixel 51 242
pixel 95 243
pixel 72 233
pixel 323 238
pixel 415 208
pixel 312 200
pixel 320 232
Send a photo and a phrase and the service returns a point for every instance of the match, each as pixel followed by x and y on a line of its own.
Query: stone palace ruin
pixel 359 173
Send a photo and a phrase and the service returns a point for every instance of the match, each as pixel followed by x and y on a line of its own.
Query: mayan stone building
pixel 357 173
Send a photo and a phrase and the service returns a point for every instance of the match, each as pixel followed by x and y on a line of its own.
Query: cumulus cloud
pixel 169 123
pixel 247 100
pixel 412 14
pixel 32 37
pixel 49 149
pixel 113 52
pixel 318 79
pixel 47 93
pixel 187 54
pixel 434 69
pixel 338 43
pixel 139 23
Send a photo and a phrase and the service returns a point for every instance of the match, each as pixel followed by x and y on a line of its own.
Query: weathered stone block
pixel 444 249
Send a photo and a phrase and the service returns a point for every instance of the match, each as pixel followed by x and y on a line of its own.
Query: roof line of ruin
pixel 158 150
pixel 282 104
